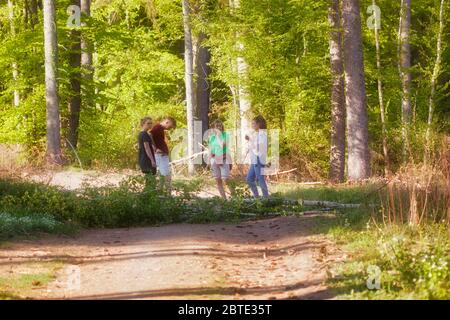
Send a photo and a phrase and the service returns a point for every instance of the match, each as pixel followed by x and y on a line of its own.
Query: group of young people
pixel 154 153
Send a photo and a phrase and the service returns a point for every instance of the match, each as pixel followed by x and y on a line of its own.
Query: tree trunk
pixel 337 154
pixel 244 101
pixel 436 71
pixel 189 81
pixel 404 51
pixel 358 163
pixel 381 100
pixel 243 97
pixel 15 72
pixel 86 51
pixel 54 154
pixel 203 85
pixel 33 13
pixel 30 13
pixel 75 86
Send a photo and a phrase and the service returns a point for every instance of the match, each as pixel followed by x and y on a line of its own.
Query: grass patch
pixel 414 261
pixel 20 282
pixel 343 193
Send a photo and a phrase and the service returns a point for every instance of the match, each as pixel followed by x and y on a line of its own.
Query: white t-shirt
pixel 258 147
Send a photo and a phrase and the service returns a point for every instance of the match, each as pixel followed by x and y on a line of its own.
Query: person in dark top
pixel 162 151
pixel 146 159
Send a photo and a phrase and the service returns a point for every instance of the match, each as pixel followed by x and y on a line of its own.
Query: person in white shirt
pixel 258 147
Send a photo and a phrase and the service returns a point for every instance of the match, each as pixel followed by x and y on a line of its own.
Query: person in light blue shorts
pixel 162 152
pixel 219 156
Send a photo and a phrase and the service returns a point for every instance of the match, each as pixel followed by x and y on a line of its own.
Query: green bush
pixel 26 224
pixel 127 205
pixel 414 261
pixel 135 202
pixel 423 267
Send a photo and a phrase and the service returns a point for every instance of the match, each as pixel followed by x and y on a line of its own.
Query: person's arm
pixel 252 145
pixel 152 144
pixel 149 153
pixel 211 146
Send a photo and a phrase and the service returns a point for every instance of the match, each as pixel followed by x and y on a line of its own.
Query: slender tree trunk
pixel 54 154
pixel 86 50
pixel 87 59
pixel 15 72
pixel 436 72
pixel 189 81
pixel 381 100
pixel 358 163
pixel 244 99
pixel 404 51
pixel 33 13
pixel 30 13
pixel 337 154
pixel 75 85
pixel 203 84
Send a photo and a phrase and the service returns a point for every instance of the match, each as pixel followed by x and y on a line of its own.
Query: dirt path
pixel 266 259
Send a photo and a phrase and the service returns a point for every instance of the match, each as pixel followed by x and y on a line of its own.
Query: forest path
pixel 274 258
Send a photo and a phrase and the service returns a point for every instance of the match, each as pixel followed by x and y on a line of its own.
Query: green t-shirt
pixel 218 145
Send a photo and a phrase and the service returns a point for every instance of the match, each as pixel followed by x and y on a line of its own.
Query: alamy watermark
pixel 74 19
pixel 73 278
pixel 242 147
pixel 374 21
pixel 374 279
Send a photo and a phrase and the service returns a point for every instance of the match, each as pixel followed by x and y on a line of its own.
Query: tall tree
pixel 381 97
pixel 358 163
pixel 203 71
pixel 337 152
pixel 86 50
pixel 15 72
pixel 242 69
pixel 75 85
pixel 54 154
pixel 434 77
pixel 189 82
pixel 404 52
pixel 31 15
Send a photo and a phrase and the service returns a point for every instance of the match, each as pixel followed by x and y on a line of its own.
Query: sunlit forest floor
pixel 200 247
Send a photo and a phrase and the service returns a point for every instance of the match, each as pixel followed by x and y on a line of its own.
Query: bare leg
pixel 225 182
pixel 221 189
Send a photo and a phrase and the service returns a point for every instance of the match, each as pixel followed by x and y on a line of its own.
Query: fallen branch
pixel 282 172
pixel 187 158
pixel 329 204
pixel 311 183
pixel 272 202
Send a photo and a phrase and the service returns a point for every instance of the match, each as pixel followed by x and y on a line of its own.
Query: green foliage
pixel 25 224
pixel 124 206
pixel 366 193
pixel 139 70
pixel 413 262
pixel 423 266
pixel 33 207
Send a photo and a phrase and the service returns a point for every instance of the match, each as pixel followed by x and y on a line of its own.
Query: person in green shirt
pixel 220 159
